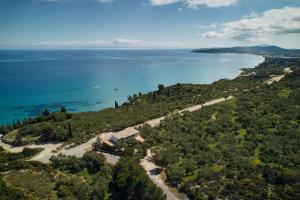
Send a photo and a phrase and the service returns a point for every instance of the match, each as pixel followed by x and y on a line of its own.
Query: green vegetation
pixel 130 180
pixel 25 154
pixel 78 127
pixel 243 148
pixel 55 126
pixel 35 184
pixel 258 50
pixel 249 149
pixel 68 177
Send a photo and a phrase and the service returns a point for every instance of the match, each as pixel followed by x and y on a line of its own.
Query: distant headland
pixel 263 50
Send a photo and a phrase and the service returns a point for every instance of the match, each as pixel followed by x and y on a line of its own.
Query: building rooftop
pixel 125 133
pixel 108 143
pixel 139 139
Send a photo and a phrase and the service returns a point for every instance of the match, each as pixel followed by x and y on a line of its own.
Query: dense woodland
pixel 244 148
pixel 68 177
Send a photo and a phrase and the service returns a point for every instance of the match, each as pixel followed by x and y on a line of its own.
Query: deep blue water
pixel 85 80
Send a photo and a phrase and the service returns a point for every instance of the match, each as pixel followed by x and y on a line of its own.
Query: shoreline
pixel 239 72
pixel 75 109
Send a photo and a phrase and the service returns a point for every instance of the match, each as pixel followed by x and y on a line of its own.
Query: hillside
pixel 264 50
pixel 244 148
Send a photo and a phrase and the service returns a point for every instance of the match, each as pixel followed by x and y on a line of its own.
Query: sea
pixel 93 79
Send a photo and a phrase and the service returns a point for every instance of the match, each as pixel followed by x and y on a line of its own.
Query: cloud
pixel 71 43
pixel 210 3
pixel 163 2
pixel 114 43
pixel 54 0
pixel 259 27
pixel 91 43
pixel 251 15
pixel 125 41
pixel 196 3
pixel 212 34
pixel 60 1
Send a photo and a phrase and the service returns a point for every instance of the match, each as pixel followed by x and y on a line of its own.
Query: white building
pixel 124 134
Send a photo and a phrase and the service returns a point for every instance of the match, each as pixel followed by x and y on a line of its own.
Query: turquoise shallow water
pixel 85 80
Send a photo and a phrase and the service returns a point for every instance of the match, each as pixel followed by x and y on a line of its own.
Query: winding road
pixel 51 149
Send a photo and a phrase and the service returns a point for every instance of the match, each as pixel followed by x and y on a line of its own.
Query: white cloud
pixel 125 41
pixel 213 25
pixel 251 15
pixel 91 43
pixel 213 34
pixel 195 3
pixel 256 27
pixel 163 2
pixel 114 43
pixel 54 0
pixel 210 3
pixel 60 1
pixel 71 43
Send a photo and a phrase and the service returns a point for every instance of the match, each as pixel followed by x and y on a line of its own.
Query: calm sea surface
pixel 90 80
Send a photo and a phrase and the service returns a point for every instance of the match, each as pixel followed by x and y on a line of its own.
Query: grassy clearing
pixel 39 185
pixel 10 137
pixel 217 167
pixel 284 93
pixel 256 160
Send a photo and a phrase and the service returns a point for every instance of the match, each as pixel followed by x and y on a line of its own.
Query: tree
pixel 70 130
pixel 175 173
pixel 131 182
pixel 3 130
pixel 10 193
pixel 116 104
pixel 94 161
pixel 154 95
pixel 73 188
pixel 166 156
pixel 14 124
pixel 97 146
pixel 100 186
pixel 46 112
pixel 63 109
pixel 72 164
pixel 161 87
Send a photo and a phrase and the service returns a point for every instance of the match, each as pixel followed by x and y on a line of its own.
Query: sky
pixel 148 23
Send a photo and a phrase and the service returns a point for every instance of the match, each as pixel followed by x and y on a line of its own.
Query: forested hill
pixel 258 50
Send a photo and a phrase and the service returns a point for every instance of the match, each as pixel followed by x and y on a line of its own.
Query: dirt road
pixel 151 169
pixel 50 148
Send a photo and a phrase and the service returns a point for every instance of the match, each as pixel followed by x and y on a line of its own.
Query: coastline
pixel 239 72
pixel 203 74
